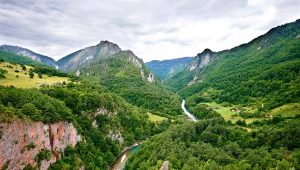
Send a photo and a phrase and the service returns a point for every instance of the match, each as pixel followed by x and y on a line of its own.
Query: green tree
pixel 31 74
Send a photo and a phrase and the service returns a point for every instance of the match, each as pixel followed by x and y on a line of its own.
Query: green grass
pixel 155 118
pixel 24 81
pixel 228 114
pixel 291 109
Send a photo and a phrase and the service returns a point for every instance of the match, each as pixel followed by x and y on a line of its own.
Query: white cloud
pixel 152 29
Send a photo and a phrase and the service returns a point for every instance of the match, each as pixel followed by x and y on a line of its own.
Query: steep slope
pixel 30 54
pixel 50 119
pixel 29 141
pixel 127 75
pixel 166 69
pixel 83 57
pixel 264 71
pixel 189 73
pixel 17 59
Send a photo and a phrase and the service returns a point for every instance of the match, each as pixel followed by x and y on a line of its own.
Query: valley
pixel 102 107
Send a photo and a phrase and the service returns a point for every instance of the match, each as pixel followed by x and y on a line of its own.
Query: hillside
pixel 30 54
pixel 127 75
pixel 24 76
pixel 264 72
pixel 247 102
pixel 17 59
pixel 100 123
pixel 166 69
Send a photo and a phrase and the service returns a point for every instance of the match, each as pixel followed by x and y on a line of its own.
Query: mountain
pixel 18 59
pixel 235 94
pixel 80 58
pixel 265 70
pixel 126 75
pixel 166 69
pixel 30 54
pixel 188 74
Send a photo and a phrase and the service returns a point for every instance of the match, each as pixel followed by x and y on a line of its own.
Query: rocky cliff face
pixel 165 166
pixel 21 141
pixel 201 60
pixel 87 55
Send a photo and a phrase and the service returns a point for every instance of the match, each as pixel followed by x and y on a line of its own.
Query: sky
pixel 152 29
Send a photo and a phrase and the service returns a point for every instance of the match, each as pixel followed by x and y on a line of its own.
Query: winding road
pixel 192 117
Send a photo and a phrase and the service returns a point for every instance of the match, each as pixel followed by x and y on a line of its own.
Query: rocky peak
pixel 107 48
pixel 133 58
pixel 88 55
pixel 201 60
pixel 106 42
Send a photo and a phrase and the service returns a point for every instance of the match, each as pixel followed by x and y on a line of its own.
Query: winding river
pixel 119 164
pixel 192 117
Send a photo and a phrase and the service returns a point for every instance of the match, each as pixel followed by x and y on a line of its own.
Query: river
pixel 119 164
pixel 192 117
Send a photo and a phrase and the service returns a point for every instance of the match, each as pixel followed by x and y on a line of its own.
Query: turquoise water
pixel 135 149
pixel 120 162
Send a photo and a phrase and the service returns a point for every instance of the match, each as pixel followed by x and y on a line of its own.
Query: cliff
pixel 21 142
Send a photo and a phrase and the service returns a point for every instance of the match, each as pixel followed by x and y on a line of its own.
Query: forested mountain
pixel 30 54
pixel 125 74
pixel 166 69
pixel 257 82
pixel 265 70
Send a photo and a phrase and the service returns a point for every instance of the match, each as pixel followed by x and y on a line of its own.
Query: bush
pixel 40 75
pixel 43 155
pixel 31 75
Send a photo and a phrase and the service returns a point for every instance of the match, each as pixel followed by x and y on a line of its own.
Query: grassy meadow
pixel 18 77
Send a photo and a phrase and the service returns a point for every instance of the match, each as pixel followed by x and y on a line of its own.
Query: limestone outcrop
pixel 21 141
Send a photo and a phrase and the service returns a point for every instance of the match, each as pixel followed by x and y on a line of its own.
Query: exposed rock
pixel 88 55
pixel 142 74
pixel 201 60
pixel 193 81
pixel 151 78
pixel 103 111
pixel 116 135
pixel 95 125
pixel 164 166
pixel 77 73
pixel 132 58
pixel 298 36
pixel 18 135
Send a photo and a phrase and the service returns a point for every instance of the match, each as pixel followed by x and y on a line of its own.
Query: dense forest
pixel 213 143
pixel 78 104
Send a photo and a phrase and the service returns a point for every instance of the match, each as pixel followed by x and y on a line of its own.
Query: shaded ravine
pixel 192 117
